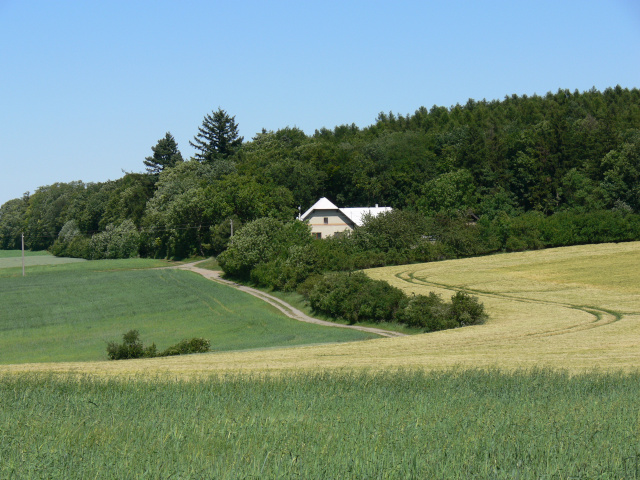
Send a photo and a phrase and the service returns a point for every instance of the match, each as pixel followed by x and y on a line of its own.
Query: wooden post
pixel 23 254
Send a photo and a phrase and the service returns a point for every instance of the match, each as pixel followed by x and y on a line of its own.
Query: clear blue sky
pixel 86 88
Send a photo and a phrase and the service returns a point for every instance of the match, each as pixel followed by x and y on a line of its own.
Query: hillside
pixel 574 308
pixel 69 311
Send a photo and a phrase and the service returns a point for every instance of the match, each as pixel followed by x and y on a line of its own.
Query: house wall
pixel 337 222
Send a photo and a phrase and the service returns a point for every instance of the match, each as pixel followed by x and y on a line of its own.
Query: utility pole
pixel 23 254
pixel 231 228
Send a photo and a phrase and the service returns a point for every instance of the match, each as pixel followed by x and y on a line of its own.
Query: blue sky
pixel 87 88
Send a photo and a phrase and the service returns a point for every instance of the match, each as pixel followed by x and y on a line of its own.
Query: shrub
pixel 307 286
pixel 70 243
pixel 355 297
pixel 79 248
pixel 69 231
pixel 432 313
pixel 132 347
pixel 267 274
pixel 261 241
pixel 120 241
pixel 287 273
pixel 429 312
pixel 185 347
pixel 466 310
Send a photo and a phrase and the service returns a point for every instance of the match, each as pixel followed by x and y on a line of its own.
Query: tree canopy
pixel 508 164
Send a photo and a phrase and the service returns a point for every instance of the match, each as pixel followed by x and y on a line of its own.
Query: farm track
pixel 602 317
pixel 281 305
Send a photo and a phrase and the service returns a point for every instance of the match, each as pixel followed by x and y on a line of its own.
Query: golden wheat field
pixel 573 308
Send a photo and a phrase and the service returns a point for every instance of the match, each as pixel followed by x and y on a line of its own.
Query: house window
pixel 326 220
pixel 318 235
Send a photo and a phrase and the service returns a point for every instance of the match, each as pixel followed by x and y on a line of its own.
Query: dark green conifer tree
pixel 165 155
pixel 217 137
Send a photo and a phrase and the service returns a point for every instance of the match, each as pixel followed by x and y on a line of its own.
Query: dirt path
pixel 281 305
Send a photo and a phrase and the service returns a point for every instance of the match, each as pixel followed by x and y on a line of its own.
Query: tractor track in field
pixel 601 316
pixel 281 305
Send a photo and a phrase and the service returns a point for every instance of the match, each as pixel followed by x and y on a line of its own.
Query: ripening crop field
pixel 573 307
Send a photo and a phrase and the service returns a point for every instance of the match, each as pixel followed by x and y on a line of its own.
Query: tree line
pixel 508 167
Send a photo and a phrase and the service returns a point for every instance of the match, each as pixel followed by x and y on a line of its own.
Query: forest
pixel 522 172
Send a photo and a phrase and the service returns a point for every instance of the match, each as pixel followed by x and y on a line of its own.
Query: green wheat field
pixel 68 311
pixel 394 425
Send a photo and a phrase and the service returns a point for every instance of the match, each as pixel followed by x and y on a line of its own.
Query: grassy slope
pixel 298 301
pixel 573 308
pixel 68 312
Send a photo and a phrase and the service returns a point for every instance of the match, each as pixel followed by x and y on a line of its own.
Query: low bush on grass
pixel 132 347
pixel 427 311
pixel 355 297
pixel 185 347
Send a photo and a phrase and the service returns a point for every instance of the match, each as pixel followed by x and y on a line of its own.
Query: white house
pixel 327 220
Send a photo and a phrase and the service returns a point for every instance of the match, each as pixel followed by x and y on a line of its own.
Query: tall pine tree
pixel 217 137
pixel 165 155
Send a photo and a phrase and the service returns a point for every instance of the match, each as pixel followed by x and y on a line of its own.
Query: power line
pixel 146 230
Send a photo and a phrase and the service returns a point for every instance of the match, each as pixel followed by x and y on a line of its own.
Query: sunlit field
pixel 462 424
pixel 547 388
pixel 572 308
pixel 70 311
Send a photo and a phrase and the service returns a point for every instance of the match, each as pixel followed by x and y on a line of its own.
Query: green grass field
pixel 68 311
pixel 395 425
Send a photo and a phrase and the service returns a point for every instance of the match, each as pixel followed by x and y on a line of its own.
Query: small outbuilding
pixel 327 220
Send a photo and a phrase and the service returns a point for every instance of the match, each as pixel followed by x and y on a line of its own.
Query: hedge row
pixel 355 297
pixel 132 347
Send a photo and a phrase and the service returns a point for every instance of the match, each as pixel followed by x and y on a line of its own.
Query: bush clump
pixel 185 347
pixel 432 313
pixel 132 347
pixel 355 297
